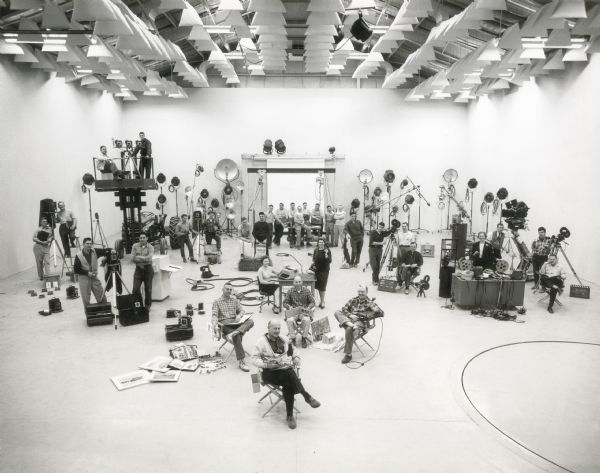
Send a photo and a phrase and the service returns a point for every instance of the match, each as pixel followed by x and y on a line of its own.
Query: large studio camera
pixel 515 214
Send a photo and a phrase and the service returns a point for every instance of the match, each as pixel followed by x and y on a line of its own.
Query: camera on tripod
pixel 563 234
pixel 515 214
pixel 113 260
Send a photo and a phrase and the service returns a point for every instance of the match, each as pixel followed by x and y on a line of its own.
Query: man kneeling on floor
pixel 353 318
pixel 274 354
pixel 300 303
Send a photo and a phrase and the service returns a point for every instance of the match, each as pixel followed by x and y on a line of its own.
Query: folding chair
pixel 544 299
pixel 370 326
pixel 274 394
pixel 267 292
pixel 225 342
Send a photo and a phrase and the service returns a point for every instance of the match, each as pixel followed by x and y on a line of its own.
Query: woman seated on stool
pixel 268 279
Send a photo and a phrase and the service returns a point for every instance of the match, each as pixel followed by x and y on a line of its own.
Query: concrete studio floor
pixel 405 411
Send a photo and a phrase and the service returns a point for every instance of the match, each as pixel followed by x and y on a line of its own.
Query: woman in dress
pixel 268 279
pixel 321 261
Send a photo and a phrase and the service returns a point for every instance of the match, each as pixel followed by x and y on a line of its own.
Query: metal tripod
pixel 388 253
pixel 98 231
pixel 114 275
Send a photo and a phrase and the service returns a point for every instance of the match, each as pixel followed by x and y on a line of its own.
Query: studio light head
pixel 488 198
pixel 199 170
pixel 162 199
pixel 280 147
pixel 332 151
pixel 365 176
pixel 355 203
pixel 228 189
pixel 472 184
pixel 161 178
pixel 88 180
pixel 204 193
pixel 214 203
pixel 175 181
pixel 268 147
pixel 450 175
pixel 502 193
pixel 403 184
pixel 409 199
pixel 377 191
pixel 389 177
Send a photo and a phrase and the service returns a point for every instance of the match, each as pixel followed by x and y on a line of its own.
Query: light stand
pixel 98 229
pixel 365 177
pixel 88 181
pixel 421 197
pixel 173 188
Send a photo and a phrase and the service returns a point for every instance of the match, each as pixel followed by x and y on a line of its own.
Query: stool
pixel 268 292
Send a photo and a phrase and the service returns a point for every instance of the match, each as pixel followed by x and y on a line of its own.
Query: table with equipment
pixel 307 279
pixel 488 293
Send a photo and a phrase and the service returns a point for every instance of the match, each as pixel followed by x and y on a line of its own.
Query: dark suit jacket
pixel 487 259
pixel 144 148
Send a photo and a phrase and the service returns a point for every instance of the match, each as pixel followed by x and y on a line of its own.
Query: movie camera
pixel 515 214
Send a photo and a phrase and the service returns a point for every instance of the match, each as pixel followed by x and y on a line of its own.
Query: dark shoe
pixel 312 402
pixel 321 306
pixel 193 260
pixel 291 422
pixel 304 342
pixel 293 340
pixel 184 260
pixel 551 310
pixel 346 359
pixel 405 290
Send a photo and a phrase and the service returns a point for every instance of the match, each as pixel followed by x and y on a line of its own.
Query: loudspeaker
pixel 47 210
pixel 445 290
pixel 459 233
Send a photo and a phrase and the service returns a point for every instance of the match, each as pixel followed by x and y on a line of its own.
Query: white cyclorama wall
pixel 374 129
pixel 49 132
pixel 542 143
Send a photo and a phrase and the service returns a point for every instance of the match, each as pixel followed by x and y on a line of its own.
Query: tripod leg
pixel 570 265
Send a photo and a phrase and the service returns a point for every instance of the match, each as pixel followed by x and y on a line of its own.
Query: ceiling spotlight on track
pixel 280 147
pixel 268 147
pixel 360 29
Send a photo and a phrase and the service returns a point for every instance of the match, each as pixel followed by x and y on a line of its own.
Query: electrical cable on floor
pixel 360 364
pixel 200 285
pixel 462 382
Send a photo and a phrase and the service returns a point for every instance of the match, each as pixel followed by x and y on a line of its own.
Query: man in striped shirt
pixel 299 297
pixel 226 313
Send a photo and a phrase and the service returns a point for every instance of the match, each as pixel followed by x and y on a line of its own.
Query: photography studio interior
pixel 264 236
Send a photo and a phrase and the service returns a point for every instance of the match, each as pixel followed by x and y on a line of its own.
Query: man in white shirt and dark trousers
pixel 142 254
pixel 270 219
pixel 552 278
pixel 281 221
pixel 405 238
pixel 183 230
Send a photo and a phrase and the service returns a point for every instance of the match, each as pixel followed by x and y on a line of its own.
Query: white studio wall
pixel 542 143
pixel 372 128
pixel 49 132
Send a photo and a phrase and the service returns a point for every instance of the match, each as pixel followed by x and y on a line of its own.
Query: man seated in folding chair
pixel 275 356
pixel 268 283
pixel 226 314
pixel 410 266
pixel 299 304
pixel 552 279
pixel 355 319
pixel 260 232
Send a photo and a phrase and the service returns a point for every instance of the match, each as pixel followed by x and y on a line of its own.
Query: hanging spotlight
pixel 360 29
pixel 389 176
pixel 280 147
pixel 161 178
pixel 268 147
pixel 204 193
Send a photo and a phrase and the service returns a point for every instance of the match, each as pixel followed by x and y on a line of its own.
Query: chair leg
pixel 358 348
pixel 368 344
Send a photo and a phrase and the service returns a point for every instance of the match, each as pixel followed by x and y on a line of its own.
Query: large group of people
pixel 274 354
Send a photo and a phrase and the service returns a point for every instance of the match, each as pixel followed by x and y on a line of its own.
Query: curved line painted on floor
pixel 462 382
